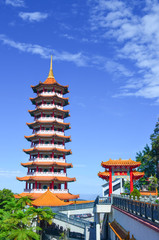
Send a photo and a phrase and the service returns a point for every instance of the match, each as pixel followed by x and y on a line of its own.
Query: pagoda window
pixel 46 170
pixel 55 170
pixel 48 115
pixel 47 129
pixel 44 187
pixel 55 187
pixel 47 142
pixel 46 156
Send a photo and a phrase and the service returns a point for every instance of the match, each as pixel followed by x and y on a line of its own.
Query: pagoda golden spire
pixel 51 75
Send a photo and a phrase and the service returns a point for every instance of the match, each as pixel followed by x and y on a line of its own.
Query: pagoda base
pixel 62 196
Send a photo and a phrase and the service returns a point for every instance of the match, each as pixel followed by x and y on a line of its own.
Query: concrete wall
pixel 139 230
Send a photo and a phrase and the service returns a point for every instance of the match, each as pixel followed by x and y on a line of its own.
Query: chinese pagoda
pixel 47 166
pixel 120 169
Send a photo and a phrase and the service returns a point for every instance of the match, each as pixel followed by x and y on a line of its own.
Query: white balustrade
pixel 50 132
pixel 55 174
pixel 47 160
pixel 44 190
pixel 51 94
pixel 51 106
pixel 50 146
pixel 50 119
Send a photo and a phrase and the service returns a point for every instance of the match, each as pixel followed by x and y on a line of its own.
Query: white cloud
pixel 79 58
pixel 136 39
pixel 9 173
pixel 33 16
pixel 15 3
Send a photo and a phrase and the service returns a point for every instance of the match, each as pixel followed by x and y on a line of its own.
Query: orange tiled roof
pixel 50 81
pixel 38 122
pixel 35 149
pixel 48 199
pixel 47 109
pixel 137 175
pixel 60 164
pixel 62 196
pixel 46 178
pixel 49 96
pixel 152 193
pixel 105 175
pixel 37 135
pixel 120 162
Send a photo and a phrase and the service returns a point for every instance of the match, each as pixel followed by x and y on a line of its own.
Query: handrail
pixel 73 207
pixel 72 220
pixel 144 210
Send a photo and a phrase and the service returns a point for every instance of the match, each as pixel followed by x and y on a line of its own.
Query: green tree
pixel 147 165
pixel 155 148
pixel 18 219
pixel 5 195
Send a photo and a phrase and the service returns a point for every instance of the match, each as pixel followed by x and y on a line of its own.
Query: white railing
pixel 51 94
pixel 51 106
pixel 50 119
pixel 47 160
pixel 57 174
pixel 50 132
pixel 49 146
pixel 44 190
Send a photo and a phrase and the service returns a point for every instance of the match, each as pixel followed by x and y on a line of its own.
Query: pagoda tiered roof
pixel 39 135
pixel 50 82
pixel 42 109
pixel 48 199
pixel 120 163
pixel 46 178
pixel 47 149
pixel 47 163
pixel 38 122
pixel 40 96
pixel 62 196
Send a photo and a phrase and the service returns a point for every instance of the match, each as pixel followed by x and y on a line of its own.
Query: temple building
pixel 115 169
pixel 47 166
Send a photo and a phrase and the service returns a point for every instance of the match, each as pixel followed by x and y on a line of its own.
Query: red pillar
pixel 65 185
pixel 26 185
pixel 59 185
pixel 52 184
pixel 63 156
pixel 38 154
pixel 110 182
pixel 35 184
pixel 131 180
pixel 64 170
pixel 37 169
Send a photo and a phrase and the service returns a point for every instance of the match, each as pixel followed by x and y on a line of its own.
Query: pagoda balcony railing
pixel 57 174
pixel 51 106
pixel 51 94
pixel 49 146
pixel 44 190
pixel 50 132
pixel 50 119
pixel 47 159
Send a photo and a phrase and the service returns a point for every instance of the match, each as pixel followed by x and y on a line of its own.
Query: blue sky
pixel 108 54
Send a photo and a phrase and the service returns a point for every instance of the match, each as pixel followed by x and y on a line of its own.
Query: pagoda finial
pixel 51 75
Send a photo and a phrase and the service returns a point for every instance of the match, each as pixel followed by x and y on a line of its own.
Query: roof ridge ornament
pixel 51 75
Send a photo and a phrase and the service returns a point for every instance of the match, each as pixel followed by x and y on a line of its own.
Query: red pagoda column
pixel 110 181
pixel 131 180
